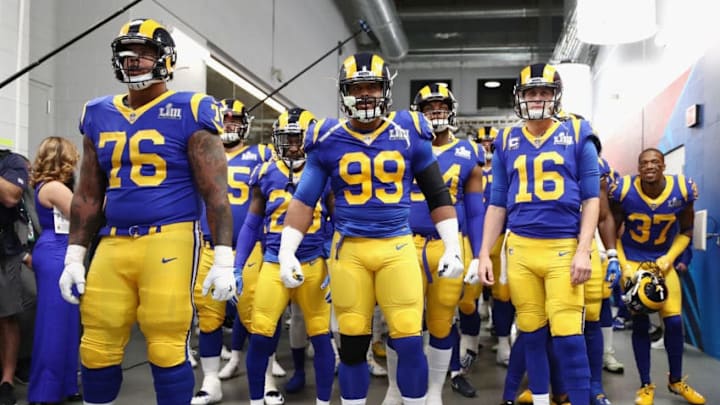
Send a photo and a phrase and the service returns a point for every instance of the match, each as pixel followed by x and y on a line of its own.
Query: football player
pixel 149 157
pixel 503 312
pixel 461 167
pixel 241 159
pixel 657 211
pixel 544 172
pixel 272 188
pixel 371 159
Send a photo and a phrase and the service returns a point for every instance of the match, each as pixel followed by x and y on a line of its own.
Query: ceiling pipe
pixel 422 15
pixel 382 17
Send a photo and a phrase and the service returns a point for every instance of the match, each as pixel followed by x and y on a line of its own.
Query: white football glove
pixel 221 277
pixel 73 274
pixel 472 276
pixel 450 264
pixel 290 269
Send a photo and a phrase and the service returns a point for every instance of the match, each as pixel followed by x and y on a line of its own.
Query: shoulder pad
pixel 320 130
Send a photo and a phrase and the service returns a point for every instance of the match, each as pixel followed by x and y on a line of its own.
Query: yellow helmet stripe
pixel 350 66
pixel 525 75
pixel 549 74
pixel 377 64
pixel 443 90
pixel 283 120
pixel 148 27
pixel 425 92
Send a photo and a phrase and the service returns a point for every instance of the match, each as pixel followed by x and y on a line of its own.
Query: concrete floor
pixel 703 372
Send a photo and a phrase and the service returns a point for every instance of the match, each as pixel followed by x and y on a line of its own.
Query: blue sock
pixel 536 360
pixel 297 382
pixel 594 344
pixel 516 368
pixel 256 361
pixel 557 384
pixel 101 385
pixel 606 318
pixel 324 362
pixel 210 343
pixel 354 380
pixel 503 315
pixel 575 367
pixel 412 371
pixel 455 356
pixel 239 334
pixel 674 346
pixel 442 343
pixel 470 324
pixel 641 346
pixel 298 358
pixel 173 385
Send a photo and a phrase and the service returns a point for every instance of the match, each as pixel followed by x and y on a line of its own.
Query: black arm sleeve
pixel 433 187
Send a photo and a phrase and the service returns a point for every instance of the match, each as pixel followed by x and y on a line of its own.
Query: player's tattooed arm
pixel 86 209
pixel 209 165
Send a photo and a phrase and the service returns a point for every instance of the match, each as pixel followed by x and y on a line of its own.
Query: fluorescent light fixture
pixel 227 73
pixel 492 84
pixel 609 22
pixel 192 47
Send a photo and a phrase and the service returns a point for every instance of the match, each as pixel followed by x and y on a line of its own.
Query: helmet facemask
pixel 143 54
pixel 374 107
pixel 537 109
pixel 237 129
pixel 288 142
pixel 427 101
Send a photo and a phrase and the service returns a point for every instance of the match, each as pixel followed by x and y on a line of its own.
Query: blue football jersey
pixel 273 178
pixel 241 163
pixel 543 198
pixel 371 173
pixel 651 223
pixel 457 160
pixel 143 153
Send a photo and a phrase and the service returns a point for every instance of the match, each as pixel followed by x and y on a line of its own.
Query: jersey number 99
pixel 388 186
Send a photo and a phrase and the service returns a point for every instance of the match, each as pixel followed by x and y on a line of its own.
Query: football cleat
pixel 684 390
pixel 210 393
pixel 525 397
pixel 600 399
pixel 296 383
pixel 274 397
pixel 611 364
pixel 645 395
pixel 462 386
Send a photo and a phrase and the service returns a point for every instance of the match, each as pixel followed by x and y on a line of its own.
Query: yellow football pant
pixel 148 279
pixel 383 270
pixel 540 288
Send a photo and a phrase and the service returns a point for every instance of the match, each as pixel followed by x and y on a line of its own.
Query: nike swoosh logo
pixel 250 264
pixel 167 260
pixel 563 253
pixel 400 246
